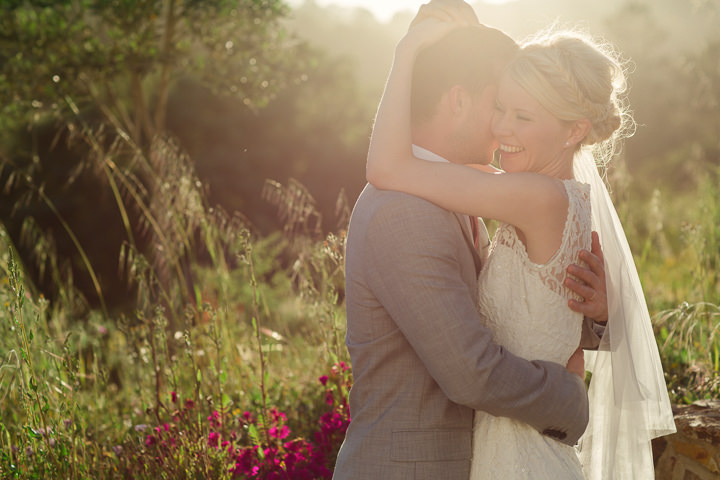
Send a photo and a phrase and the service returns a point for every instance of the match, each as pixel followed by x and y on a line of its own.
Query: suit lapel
pixel 462 219
pixel 467 235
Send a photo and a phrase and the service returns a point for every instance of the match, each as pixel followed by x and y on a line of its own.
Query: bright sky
pixel 383 9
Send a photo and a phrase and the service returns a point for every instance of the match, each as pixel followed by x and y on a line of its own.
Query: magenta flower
pixel 279 433
pixel 213 438
pixel 305 458
pixel 247 417
pixel 277 415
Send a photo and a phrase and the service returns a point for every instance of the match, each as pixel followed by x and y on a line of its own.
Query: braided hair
pixel 575 77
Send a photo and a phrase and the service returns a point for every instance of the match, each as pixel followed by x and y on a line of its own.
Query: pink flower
pixel 173 396
pixel 280 433
pixel 213 438
pixel 323 379
pixel 277 415
pixel 215 419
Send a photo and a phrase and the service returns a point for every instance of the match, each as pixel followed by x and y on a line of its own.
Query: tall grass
pixel 690 333
pixel 224 338
pixel 676 239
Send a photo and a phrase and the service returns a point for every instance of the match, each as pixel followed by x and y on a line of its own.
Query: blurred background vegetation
pixel 256 90
pixel 189 166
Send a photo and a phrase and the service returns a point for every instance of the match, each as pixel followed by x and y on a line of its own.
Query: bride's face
pixel 531 139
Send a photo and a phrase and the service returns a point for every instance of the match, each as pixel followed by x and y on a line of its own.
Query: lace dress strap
pixel 576 236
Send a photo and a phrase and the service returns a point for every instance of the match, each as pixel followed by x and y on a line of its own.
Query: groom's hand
pixel 455 11
pixel 590 284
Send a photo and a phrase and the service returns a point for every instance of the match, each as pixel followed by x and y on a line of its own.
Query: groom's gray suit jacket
pixel 422 362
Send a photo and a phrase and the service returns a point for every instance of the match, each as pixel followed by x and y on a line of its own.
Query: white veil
pixel 629 403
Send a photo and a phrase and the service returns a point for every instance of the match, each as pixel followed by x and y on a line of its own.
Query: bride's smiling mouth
pixel 510 148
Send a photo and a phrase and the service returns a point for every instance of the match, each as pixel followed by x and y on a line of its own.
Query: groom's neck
pixel 434 139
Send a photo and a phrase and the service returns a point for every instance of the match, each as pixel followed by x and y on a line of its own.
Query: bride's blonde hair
pixel 575 77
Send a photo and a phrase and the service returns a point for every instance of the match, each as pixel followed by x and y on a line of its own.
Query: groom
pixel 422 361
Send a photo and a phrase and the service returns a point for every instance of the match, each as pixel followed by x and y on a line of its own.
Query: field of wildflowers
pixel 244 375
pixel 224 398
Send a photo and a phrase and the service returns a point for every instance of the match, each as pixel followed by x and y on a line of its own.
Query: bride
pixel 558 109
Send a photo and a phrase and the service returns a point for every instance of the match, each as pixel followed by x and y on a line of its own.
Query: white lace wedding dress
pixel 526 308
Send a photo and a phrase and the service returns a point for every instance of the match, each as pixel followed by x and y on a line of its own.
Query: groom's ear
pixel 458 99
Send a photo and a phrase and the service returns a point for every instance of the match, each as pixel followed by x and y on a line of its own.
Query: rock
pixel 693 453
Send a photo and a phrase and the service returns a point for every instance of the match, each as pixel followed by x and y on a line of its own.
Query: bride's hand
pixel 456 11
pixel 435 20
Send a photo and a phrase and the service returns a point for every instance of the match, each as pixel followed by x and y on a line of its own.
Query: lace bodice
pixel 525 305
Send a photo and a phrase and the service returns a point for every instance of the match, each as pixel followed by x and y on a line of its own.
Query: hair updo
pixel 574 77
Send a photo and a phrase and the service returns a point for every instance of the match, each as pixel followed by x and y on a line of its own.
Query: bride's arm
pixel 514 198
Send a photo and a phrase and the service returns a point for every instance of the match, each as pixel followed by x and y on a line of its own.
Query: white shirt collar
pixel 425 154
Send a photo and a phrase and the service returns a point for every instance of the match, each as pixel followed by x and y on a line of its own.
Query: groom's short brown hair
pixel 469 56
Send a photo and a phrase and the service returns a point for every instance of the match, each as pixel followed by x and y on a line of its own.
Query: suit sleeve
pixel 414 269
pixel 592 333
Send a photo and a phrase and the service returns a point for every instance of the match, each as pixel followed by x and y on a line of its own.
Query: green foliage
pixel 77 397
pixel 690 347
pixel 676 241
pixel 123 57
pixel 85 151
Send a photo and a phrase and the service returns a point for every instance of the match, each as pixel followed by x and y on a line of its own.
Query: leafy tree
pixel 85 88
pixel 123 56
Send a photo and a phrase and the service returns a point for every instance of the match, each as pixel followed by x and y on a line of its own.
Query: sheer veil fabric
pixel 629 403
